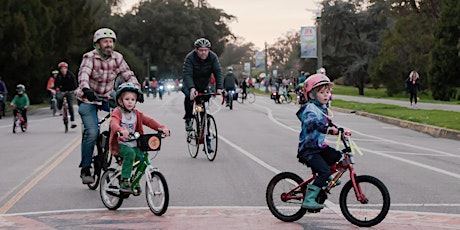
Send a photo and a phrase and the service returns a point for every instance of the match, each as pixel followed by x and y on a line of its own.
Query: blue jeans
pixel 88 113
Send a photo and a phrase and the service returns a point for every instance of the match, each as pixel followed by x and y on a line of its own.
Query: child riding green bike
pixel 126 120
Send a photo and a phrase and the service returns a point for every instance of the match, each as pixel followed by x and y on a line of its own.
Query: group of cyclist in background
pixel 63 83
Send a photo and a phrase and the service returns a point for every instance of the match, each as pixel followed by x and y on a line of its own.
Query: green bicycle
pixel 156 189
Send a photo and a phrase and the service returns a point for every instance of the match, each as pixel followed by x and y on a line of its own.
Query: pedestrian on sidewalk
pixel 412 86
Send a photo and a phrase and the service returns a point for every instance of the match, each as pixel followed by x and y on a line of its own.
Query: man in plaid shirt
pixel 96 77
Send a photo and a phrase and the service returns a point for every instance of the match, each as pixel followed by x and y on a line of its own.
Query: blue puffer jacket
pixel 314 129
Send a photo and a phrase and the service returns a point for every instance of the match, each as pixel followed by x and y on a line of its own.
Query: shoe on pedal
pixel 188 125
pixel 86 177
pixel 137 191
pixel 125 186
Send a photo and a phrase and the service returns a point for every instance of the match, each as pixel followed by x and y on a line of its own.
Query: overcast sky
pixel 261 21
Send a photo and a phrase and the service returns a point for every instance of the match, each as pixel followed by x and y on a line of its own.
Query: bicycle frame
pixel 339 168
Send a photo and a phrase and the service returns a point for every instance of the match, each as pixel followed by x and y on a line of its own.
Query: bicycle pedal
pixel 314 210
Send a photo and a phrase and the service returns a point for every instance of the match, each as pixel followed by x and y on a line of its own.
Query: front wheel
pixel 283 203
pixel 251 97
pixel 373 209
pixel 110 189
pixel 211 138
pixel 157 193
pixel 65 119
pixel 192 139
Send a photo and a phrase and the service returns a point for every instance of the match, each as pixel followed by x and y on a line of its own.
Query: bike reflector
pixel 149 142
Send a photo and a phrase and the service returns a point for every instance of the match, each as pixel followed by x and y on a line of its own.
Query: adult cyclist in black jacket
pixel 199 64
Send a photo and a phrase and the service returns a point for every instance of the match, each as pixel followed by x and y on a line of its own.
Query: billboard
pixel 308 46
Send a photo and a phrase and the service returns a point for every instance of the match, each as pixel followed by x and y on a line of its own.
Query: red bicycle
pixel 364 200
pixel 19 121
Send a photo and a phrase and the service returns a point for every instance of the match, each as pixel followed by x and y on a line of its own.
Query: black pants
pixel 413 96
pixel 320 163
pixel 60 100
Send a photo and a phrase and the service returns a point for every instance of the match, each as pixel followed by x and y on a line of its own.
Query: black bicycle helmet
pixel 202 42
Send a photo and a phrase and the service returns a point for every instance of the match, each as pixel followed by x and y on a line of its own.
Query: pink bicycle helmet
pixel 314 81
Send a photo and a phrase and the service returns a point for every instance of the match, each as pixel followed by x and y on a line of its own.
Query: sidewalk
pixel 428 129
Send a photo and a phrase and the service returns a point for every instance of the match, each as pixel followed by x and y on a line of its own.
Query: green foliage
pixel 405 47
pixel 351 38
pixel 439 118
pixel 444 69
pixel 164 32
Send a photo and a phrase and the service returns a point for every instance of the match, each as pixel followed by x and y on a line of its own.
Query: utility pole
pixel 318 39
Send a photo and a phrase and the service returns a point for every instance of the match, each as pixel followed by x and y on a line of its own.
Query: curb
pixel 428 129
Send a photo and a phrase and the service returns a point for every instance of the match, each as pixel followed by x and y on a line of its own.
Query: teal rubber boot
pixel 310 195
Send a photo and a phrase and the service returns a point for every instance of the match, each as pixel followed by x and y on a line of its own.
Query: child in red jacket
pixel 125 121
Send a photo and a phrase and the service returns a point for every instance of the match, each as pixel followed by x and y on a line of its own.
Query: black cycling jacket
pixel 196 73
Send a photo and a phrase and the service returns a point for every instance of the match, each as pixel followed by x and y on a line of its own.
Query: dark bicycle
pixel 204 128
pixel 101 158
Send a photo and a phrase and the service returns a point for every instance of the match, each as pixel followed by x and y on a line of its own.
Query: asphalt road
pixel 41 188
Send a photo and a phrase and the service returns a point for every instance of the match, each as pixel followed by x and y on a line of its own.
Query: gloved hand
pixel 193 94
pixel 89 94
pixel 140 97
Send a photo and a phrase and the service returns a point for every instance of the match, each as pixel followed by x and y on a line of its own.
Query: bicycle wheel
pixel 157 193
pixel 64 118
pixel 375 207
pixel 240 98
pixel 287 98
pixel 211 137
pixel 96 165
pixel 280 206
pixel 110 189
pixel 14 125
pixel 230 102
pixel 251 97
pixel 192 139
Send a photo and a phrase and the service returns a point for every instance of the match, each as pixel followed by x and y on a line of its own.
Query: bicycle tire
pixel 230 102
pixel 65 119
pixel 376 208
pixel 14 125
pixel 251 97
pixel 96 165
pixel 109 189
pixel 23 127
pixel 240 98
pixel 157 193
pixel 192 139
pixel 211 129
pixel 290 210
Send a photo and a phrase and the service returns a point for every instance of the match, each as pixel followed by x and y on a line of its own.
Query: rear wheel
pixel 230 102
pixel 192 139
pixel 110 189
pixel 283 205
pixel 211 138
pixel 157 193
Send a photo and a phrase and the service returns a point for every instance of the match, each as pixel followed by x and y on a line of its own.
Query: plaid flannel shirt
pixel 99 75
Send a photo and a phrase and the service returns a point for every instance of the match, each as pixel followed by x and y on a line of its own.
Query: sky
pixel 260 21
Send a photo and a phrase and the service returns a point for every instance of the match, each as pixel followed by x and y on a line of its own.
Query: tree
pixel 155 30
pixel 351 38
pixel 444 68
pixel 405 47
